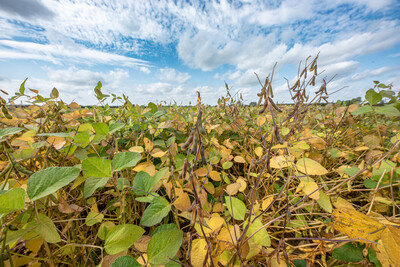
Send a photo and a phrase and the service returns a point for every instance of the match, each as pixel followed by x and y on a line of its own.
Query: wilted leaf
pixel 148 145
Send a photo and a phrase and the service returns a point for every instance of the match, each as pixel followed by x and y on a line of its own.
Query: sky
pixel 167 50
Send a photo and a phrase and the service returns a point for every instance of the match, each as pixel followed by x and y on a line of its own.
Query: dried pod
pixel 195 143
pixel 264 107
pixel 278 136
pixel 189 140
pixel 274 105
pixel 203 157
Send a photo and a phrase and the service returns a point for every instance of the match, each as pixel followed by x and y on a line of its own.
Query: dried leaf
pixel 239 159
pixel 182 203
pixel 233 188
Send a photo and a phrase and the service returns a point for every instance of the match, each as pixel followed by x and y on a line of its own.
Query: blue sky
pixel 167 50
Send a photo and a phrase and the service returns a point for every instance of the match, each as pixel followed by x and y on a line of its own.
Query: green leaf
pixel 155 212
pixel 362 110
pixel 372 257
pixel 261 237
pixel 324 202
pixel 47 229
pixel 67 135
pixel 160 174
pixel 54 93
pixel 372 97
pixel 12 200
pixel 388 110
pixel 92 183
pixel 101 128
pixel 348 253
pixel 300 263
pixel 125 160
pixel 9 131
pixel 48 181
pixel 104 229
pixel 227 165
pixel 121 237
pixel 22 87
pixel 164 245
pixel 82 138
pixel 236 207
pixel 163 227
pixel 115 127
pixel 125 261
pixel 96 167
pixel 371 184
pixel 142 181
pixel 94 217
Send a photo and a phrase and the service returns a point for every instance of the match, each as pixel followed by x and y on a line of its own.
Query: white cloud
pixel 172 75
pixel 145 70
pixel 370 74
pixel 57 53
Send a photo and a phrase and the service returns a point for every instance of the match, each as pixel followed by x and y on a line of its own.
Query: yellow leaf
pixel 278 162
pixel 317 142
pixel 311 187
pixel 216 222
pixel 266 202
pixel 215 176
pixel 371 141
pixel 391 243
pixel 182 203
pixel 158 153
pixel 142 166
pixel 198 253
pixel 57 142
pixel 201 172
pixel 138 149
pixel 355 224
pixel 229 235
pixel 239 159
pixel 148 145
pixel 243 183
pixel 259 151
pixel 342 203
pixel 261 120
pixel 311 167
pixel 233 188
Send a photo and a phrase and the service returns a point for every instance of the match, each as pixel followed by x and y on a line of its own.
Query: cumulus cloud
pixel 172 75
